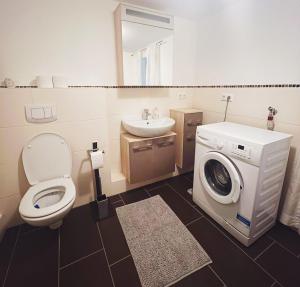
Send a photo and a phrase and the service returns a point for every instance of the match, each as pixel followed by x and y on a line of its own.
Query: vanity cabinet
pixel 147 158
pixel 186 122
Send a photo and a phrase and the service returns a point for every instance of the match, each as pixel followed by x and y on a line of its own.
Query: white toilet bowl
pixel 47 164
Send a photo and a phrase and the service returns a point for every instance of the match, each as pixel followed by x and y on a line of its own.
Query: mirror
pixel 145 48
pixel 147 55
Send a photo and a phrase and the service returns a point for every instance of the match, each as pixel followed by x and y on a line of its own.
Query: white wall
pixel 250 42
pixel 185 52
pixel 65 37
pixel 75 39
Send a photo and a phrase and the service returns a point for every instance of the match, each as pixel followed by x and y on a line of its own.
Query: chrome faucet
pixel 146 114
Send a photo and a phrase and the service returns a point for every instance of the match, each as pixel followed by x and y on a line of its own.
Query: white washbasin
pixel 147 128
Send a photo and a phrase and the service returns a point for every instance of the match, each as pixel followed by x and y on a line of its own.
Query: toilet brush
pixel 101 200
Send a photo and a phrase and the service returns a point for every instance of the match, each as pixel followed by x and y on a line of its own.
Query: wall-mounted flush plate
pixel 40 113
pixel 225 96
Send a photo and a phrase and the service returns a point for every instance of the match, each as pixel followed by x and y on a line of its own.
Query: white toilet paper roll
pixel 59 82
pixel 97 159
pixel 44 82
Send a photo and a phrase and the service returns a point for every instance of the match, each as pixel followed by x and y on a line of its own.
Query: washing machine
pixel 238 176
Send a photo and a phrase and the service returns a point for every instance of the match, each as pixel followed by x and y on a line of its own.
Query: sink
pixel 147 128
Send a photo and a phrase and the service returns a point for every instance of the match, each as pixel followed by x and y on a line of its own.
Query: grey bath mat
pixel 163 249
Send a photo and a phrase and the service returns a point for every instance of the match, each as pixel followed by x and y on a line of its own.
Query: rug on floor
pixel 163 249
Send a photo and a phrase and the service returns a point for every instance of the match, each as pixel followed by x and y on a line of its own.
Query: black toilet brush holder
pixel 101 201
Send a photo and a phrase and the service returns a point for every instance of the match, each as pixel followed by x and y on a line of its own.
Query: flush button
pixel 48 112
pixel 37 113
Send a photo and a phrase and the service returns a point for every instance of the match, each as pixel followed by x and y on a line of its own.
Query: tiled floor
pixel 86 253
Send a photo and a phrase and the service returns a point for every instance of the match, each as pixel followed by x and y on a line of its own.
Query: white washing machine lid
pixel 220 177
pixel 46 156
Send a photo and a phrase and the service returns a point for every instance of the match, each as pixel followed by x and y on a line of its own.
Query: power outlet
pixel 225 96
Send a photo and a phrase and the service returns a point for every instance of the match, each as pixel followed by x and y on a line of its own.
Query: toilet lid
pixel 46 156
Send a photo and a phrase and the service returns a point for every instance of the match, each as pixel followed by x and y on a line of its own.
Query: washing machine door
pixel 220 177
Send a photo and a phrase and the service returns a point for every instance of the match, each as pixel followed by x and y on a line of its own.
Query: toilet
pixel 47 163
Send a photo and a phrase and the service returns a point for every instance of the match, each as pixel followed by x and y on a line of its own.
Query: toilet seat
pixel 46 156
pixel 27 208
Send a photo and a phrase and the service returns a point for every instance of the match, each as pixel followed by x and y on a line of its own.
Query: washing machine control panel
pixel 241 150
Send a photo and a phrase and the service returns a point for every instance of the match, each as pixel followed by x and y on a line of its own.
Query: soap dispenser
pixel 270 122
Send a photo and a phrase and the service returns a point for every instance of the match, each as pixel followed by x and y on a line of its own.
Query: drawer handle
pixel 142 148
pixel 167 143
pixel 193 124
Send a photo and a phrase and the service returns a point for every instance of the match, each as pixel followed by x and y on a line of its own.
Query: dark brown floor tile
pixel 231 264
pixel 6 247
pixel 255 249
pixel 79 235
pixel 90 272
pixel 183 210
pixel 113 206
pixel 114 198
pixel 203 277
pixel 181 185
pixel 281 265
pixel 25 228
pixel 190 176
pixel 35 260
pixel 125 274
pixel 289 238
pixel 134 195
pixel 155 184
pixel 113 239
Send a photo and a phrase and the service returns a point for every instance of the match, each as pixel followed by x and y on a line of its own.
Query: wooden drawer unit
pixel 147 158
pixel 187 121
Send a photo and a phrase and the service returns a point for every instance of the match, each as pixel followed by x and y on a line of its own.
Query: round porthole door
pixel 220 177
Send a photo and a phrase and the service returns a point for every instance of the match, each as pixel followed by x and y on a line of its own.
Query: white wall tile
pixel 73 104
pixel 12 102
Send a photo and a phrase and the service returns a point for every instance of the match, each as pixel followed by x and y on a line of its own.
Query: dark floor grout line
pixel 119 196
pixel 102 242
pixel 189 203
pixel 263 252
pixel 11 256
pixel 148 193
pixel 194 220
pixel 283 247
pixel 122 199
pixel 120 260
pixel 80 259
pixel 112 203
pixel 58 259
pixel 224 234
pixel 217 275
pixel 155 187
pixel 186 177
